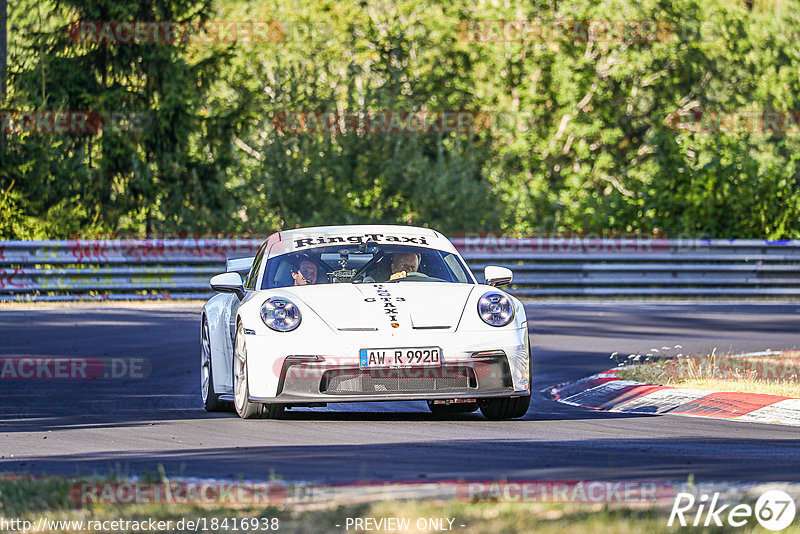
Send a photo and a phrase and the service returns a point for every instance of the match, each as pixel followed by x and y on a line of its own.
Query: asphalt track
pixel 77 427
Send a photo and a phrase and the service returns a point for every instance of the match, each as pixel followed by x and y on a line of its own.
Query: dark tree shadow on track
pixel 138 425
pixel 673 458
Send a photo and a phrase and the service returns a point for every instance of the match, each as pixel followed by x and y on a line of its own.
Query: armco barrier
pixel 181 268
pixel 115 269
pixel 641 267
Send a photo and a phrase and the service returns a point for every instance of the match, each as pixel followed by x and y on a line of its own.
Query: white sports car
pixel 363 313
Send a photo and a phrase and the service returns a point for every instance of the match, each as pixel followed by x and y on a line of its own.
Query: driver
pixel 404 263
pixel 305 273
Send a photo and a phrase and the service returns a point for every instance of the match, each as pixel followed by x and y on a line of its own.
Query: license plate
pixel 408 357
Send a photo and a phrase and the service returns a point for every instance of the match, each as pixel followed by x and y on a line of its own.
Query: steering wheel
pixel 414 275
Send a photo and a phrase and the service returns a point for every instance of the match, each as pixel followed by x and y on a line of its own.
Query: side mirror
pixel 228 283
pixel 497 276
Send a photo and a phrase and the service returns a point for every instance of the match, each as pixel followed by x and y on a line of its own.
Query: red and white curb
pixel 604 391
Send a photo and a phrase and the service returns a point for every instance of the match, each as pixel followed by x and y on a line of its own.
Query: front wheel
pixel 241 387
pixel 510 407
pixel 505 408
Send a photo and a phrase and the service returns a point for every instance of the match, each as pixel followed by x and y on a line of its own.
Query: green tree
pixel 169 173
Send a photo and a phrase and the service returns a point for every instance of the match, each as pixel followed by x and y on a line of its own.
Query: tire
pixel 505 408
pixel 211 401
pixel 241 386
pixel 510 407
pixel 454 408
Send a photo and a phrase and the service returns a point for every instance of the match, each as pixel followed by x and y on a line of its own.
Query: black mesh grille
pixel 433 379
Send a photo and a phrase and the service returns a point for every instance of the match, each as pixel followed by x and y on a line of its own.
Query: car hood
pixel 388 306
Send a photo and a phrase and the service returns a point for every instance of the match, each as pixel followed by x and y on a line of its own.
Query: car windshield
pixel 364 264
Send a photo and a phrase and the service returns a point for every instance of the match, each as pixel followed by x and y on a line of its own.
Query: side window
pixel 250 283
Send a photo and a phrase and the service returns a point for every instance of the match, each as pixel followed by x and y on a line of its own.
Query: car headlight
pixel 496 309
pixel 280 314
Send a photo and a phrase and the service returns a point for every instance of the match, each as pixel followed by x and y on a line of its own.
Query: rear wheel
pixel 241 387
pixel 211 400
pixel 453 408
pixel 505 408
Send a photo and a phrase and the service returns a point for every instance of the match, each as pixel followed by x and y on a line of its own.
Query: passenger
pixel 305 274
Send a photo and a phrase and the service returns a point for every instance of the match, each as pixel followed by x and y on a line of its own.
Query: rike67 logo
pixel 774 510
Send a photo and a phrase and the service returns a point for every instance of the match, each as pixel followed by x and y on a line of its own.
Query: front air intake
pixel 430 380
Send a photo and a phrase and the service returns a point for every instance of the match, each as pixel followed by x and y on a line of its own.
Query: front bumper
pixel 301 371
pixel 314 381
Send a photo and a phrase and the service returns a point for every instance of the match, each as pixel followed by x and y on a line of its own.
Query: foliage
pixel 588 140
pixel 167 174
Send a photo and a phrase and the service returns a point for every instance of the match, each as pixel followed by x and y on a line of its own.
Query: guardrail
pixel 115 269
pixel 181 268
pixel 642 267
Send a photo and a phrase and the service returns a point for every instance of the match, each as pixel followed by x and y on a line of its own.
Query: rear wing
pixel 239 265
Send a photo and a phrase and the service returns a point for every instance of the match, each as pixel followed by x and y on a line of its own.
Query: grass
pixel 783 388
pixel 31 498
pixel 773 374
